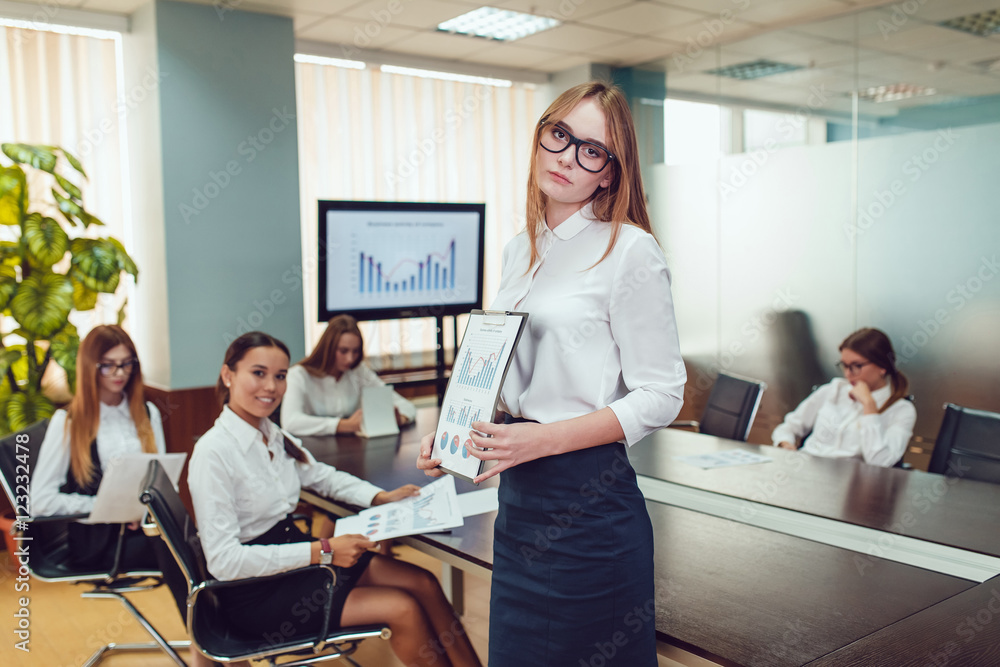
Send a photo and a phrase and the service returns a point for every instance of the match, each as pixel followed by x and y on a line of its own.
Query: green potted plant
pixel 45 274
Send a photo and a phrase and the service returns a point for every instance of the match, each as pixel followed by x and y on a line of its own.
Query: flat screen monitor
pixel 394 260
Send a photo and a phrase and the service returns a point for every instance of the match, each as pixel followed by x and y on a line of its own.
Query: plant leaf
pixel 13 191
pixel 70 188
pixel 73 162
pixel 21 367
pixel 64 347
pixel 25 408
pixel 84 298
pixel 42 303
pixel 121 312
pixel 47 240
pixel 39 157
pixel 70 209
pixel 88 220
pixel 96 264
pixel 8 285
pixel 127 264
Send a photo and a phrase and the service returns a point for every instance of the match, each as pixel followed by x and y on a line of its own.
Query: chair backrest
pixel 18 454
pixel 175 524
pixel 968 444
pixel 731 407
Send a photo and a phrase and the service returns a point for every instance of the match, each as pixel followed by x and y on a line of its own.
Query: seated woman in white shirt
pixel 324 389
pixel 107 417
pixel 864 414
pixel 245 477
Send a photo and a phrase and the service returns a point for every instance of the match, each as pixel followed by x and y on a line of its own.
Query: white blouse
pixel 116 435
pixel 841 429
pixel 315 405
pixel 596 336
pixel 241 487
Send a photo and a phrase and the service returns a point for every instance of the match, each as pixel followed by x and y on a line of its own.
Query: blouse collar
pixel 244 433
pixel 575 223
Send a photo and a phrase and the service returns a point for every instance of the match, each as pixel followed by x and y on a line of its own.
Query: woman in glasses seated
pixel 106 418
pixel 865 414
pixel 245 478
pixel 324 389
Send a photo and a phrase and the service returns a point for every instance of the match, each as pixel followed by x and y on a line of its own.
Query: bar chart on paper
pixel 478 366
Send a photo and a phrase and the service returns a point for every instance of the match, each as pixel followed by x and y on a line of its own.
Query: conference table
pixel 795 560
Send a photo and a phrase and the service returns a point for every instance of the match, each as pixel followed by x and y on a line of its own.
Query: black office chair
pixel 207 623
pixel 48 549
pixel 731 408
pixel 968 444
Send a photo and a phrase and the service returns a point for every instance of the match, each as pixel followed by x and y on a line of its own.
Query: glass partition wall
pixel 833 174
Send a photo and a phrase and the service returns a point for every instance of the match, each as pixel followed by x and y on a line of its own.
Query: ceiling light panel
pixel 499 24
pixel 754 70
pixel 982 24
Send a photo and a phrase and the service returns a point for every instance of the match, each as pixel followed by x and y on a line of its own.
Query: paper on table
pixel 729 457
pixel 436 508
pixel 378 413
pixel 117 498
pixel 480 501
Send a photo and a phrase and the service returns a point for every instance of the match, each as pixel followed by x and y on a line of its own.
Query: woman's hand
pixel 347 549
pixel 404 491
pixel 784 444
pixel 508 444
pixel 424 460
pixel 861 393
pixel 401 419
pixel 350 424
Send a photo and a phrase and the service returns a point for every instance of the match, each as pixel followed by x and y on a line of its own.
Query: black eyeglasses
pixel 590 156
pixel 108 369
pixel 852 368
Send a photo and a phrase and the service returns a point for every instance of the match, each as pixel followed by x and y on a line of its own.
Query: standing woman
pixel 600 367
pixel 245 478
pixel 107 417
pixel 324 389
pixel 863 415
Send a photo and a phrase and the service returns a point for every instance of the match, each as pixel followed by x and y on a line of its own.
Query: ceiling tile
pixel 790 11
pixel 942 10
pixel 124 7
pixel 360 34
pixel 510 55
pixel 561 10
pixel 632 52
pixel 425 14
pixel 703 33
pixel 570 38
pixel 287 7
pixel 773 44
pixel 441 45
pixel 643 18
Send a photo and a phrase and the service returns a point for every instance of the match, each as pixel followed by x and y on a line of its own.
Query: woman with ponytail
pixel 107 417
pixel 865 414
pixel 245 477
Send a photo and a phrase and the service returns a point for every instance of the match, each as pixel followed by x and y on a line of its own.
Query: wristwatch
pixel 325 552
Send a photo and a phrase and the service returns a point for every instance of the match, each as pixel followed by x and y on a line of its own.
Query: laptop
pixel 378 413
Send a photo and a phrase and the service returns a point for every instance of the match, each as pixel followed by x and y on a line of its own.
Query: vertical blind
pixel 62 90
pixel 375 136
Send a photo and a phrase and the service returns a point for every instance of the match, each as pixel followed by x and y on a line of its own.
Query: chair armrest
pixel 690 423
pixel 57 517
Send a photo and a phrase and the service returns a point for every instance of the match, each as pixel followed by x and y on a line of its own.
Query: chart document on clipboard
pixel 474 387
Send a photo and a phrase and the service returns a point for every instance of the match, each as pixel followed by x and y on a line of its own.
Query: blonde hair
pixel 623 202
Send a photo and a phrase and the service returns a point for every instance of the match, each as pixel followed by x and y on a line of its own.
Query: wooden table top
pixel 955 512
pixel 735 593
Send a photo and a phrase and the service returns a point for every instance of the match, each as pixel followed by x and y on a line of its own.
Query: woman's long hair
pixel 85 409
pixel 234 354
pixel 624 200
pixel 876 347
pixel 322 359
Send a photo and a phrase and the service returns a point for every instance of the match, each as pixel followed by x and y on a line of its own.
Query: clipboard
pixel 473 390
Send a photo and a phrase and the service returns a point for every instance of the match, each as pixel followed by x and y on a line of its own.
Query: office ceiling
pixel 840 45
